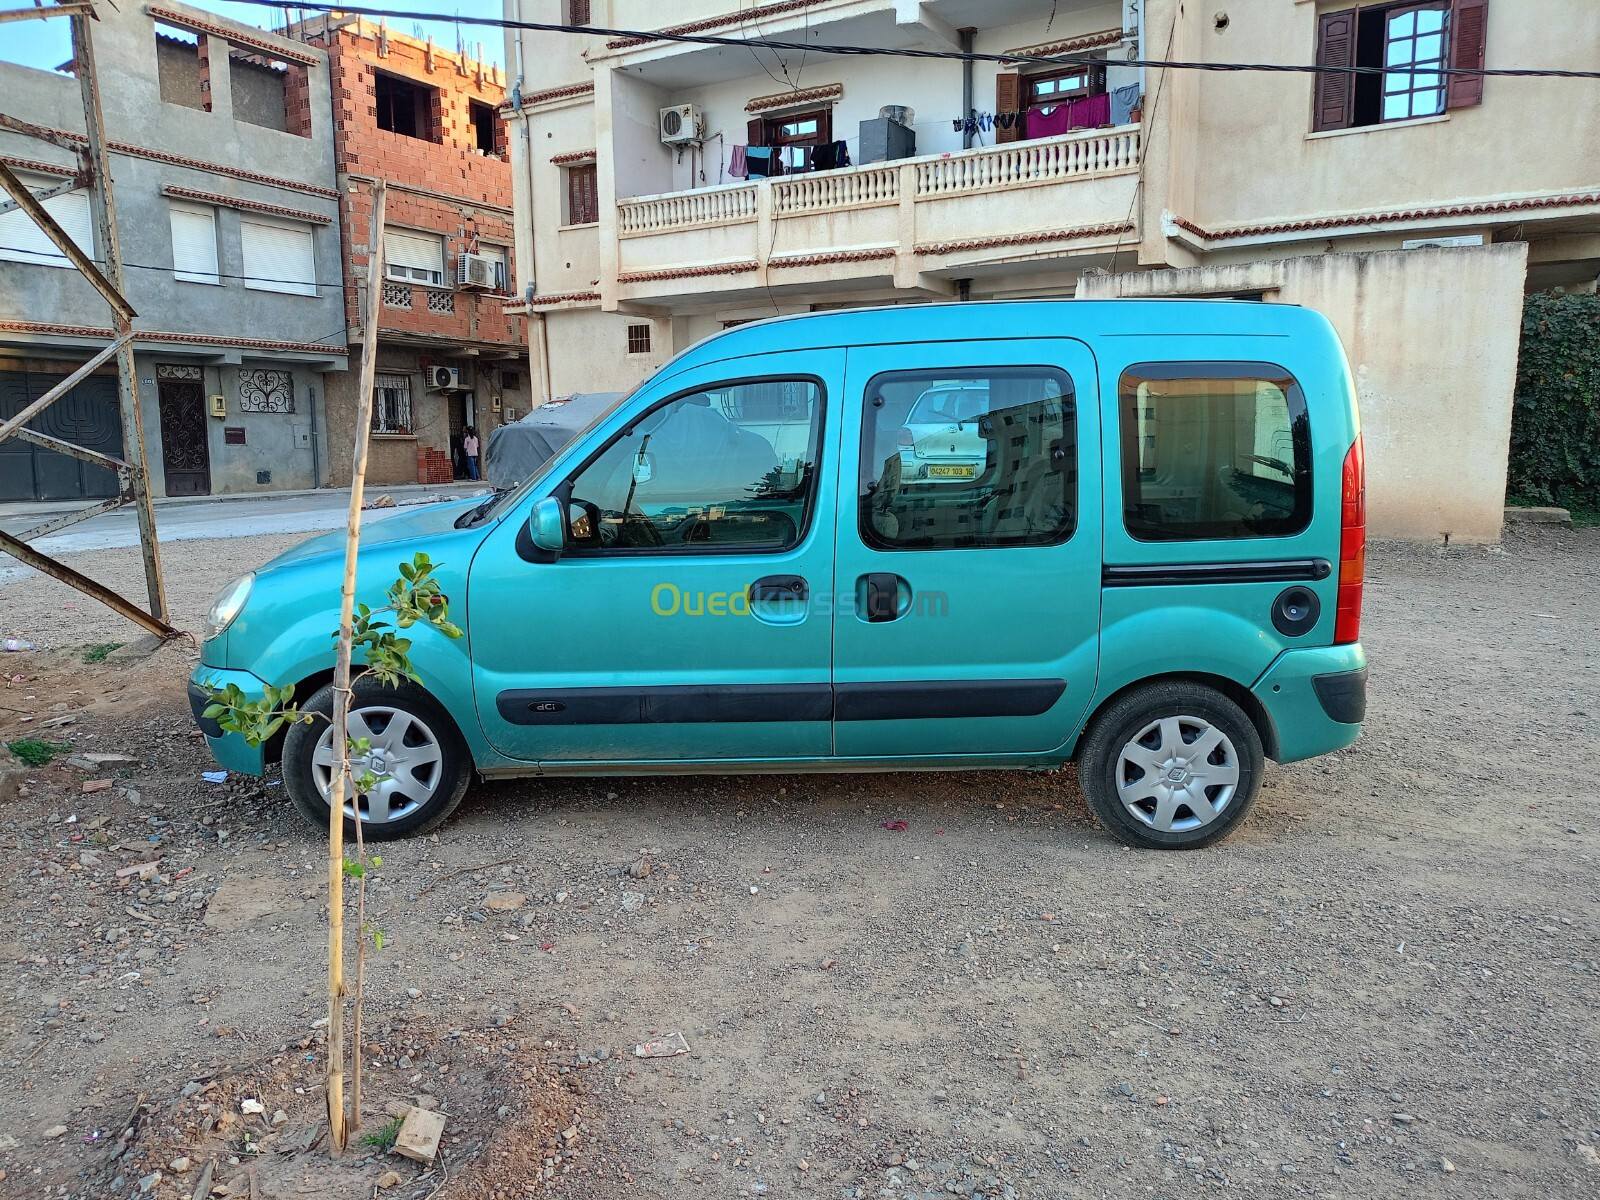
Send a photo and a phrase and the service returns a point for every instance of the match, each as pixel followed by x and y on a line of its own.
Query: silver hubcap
pixel 1177 774
pixel 405 756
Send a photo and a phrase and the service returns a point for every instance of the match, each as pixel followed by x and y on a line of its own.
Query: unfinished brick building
pixel 426 121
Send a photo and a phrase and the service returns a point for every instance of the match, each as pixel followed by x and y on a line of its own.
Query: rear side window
pixel 968 457
pixel 1213 450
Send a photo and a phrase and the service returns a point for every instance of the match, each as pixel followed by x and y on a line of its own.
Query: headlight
pixel 227 605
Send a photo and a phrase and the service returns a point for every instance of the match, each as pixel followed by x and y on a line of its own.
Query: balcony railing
pixel 682 210
pixel 1022 163
pixel 1070 156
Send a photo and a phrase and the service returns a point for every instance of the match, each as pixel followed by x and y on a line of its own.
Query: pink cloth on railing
pixel 1088 112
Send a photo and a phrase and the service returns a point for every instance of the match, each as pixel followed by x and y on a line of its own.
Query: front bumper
pixel 229 749
pixel 1316 699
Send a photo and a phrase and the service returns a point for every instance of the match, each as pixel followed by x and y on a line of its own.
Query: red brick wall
pixel 458 180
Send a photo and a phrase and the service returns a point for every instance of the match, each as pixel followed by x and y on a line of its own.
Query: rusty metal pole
pixel 103 206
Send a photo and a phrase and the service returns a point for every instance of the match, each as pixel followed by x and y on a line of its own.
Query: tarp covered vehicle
pixel 516 451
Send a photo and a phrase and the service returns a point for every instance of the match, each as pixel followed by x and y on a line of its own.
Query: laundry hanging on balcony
pixel 829 156
pixel 983 122
pixel 759 162
pixel 1123 101
pixel 738 165
pixel 1085 113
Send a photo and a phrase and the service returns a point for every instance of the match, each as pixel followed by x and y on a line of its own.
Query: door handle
pixel 883 595
pixel 779 587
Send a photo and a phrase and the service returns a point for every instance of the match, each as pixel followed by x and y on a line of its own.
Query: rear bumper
pixel 229 749
pixel 1316 699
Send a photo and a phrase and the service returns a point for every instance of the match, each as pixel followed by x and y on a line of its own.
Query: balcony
pixel 910 223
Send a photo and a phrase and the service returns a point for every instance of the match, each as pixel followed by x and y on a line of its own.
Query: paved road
pixel 213 517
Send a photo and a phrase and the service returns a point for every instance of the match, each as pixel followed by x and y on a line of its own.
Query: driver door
pixel 681 623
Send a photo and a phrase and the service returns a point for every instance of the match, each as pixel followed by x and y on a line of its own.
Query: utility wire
pixel 706 39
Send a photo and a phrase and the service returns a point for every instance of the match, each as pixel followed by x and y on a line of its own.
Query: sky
pixel 46 44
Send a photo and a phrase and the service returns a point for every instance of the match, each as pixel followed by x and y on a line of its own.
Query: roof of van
pixel 980 320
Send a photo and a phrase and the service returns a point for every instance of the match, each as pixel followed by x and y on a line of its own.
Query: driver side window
pixel 726 468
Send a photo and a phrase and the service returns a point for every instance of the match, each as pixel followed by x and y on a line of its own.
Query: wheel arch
pixel 1233 690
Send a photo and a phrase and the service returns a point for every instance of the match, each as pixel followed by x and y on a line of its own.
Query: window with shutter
pixel 577 12
pixel 583 195
pixel 1008 106
pixel 24 242
pixel 413 257
pixel 194 243
pixel 1404 48
pixel 278 257
pixel 1469 26
pixel 1336 49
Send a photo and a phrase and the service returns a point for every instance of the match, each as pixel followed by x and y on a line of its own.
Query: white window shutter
pixel 23 241
pixel 278 258
pixel 413 256
pixel 194 243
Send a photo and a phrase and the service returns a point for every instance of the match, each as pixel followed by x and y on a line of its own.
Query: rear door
pixel 968 549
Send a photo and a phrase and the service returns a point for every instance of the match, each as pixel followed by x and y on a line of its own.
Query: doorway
pixel 185 453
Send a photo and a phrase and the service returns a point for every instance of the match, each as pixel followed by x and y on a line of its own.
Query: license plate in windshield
pixel 962 472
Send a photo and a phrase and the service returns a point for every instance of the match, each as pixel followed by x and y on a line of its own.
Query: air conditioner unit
pixel 477 270
pixel 681 123
pixel 444 379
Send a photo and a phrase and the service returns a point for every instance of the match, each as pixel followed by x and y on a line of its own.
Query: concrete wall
pixel 249 168
pixel 1434 376
pixel 1521 140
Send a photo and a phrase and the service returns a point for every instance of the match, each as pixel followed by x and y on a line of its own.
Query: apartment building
pixel 665 190
pixel 221 146
pixel 450 354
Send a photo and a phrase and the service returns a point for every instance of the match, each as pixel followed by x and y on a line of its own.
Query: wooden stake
pixel 338 1126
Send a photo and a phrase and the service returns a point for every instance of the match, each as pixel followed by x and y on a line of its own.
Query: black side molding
pixel 1284 570
pixel 667 705
pixel 1343 695
pixel 915 699
pixel 906 700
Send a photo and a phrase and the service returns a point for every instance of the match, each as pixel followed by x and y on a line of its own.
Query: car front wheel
pixel 1171 766
pixel 421 764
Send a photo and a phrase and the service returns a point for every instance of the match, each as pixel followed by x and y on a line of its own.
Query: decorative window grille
pixel 397 295
pixel 266 391
pixel 391 404
pixel 441 302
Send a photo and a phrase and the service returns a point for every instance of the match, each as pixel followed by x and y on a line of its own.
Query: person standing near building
pixel 469 447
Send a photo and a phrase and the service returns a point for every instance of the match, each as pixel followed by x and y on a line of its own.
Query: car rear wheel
pixel 421 764
pixel 1171 766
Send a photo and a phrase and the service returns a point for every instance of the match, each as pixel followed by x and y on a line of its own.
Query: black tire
pixel 1197 812
pixel 444 782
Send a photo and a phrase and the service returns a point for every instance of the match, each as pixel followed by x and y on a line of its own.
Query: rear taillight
pixel 906 437
pixel 1352 546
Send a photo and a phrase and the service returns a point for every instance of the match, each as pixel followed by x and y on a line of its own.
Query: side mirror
pixel 546 528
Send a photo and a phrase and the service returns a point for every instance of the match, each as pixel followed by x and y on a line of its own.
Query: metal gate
pixel 184 453
pixel 86 416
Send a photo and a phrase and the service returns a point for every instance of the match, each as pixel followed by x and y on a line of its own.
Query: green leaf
pixel 354 869
pixel 377 939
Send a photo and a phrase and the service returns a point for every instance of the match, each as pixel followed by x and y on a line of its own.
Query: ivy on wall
pixel 1555 422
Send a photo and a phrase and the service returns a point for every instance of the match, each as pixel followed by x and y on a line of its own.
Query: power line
pixel 707 39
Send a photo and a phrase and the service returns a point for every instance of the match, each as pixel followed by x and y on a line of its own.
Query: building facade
pixel 222 171
pixel 450 354
pixel 666 190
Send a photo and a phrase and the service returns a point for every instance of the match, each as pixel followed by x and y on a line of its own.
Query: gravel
pixel 1387 977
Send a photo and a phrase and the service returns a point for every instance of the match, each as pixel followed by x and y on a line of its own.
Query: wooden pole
pixel 338 1126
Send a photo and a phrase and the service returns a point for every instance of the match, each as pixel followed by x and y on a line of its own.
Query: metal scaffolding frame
pixel 133 480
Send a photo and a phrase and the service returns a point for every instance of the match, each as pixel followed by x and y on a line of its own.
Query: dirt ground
pixel 1385 984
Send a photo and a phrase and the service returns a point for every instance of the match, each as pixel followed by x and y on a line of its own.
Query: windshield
pixel 500 500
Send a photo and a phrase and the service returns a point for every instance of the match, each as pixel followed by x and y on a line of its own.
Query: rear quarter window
pixel 1213 451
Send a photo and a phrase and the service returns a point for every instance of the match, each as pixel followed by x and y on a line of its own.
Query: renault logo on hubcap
pixel 1177 775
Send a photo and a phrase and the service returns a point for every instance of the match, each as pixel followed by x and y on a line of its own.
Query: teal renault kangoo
pixel 1012 535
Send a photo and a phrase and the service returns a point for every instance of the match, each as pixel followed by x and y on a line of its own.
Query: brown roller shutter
pixel 755 132
pixel 1008 99
pixel 1469 24
pixel 583 195
pixel 1335 90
